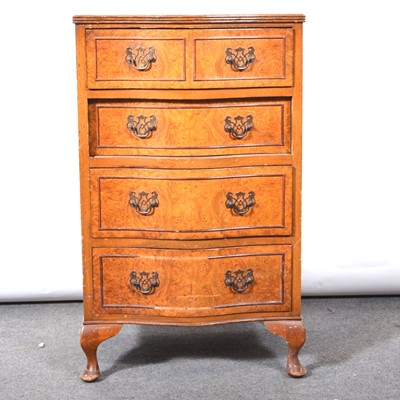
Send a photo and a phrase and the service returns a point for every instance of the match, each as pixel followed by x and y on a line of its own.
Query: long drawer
pixel 190 128
pixel 189 58
pixel 192 204
pixel 188 283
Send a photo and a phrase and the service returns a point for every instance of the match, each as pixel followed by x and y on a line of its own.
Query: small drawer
pixel 119 58
pixel 245 58
pixel 198 129
pixel 192 283
pixel 192 204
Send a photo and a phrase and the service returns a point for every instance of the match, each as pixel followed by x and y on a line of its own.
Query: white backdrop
pixel 351 196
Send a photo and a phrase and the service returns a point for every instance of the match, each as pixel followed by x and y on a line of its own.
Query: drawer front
pixel 176 128
pixel 132 58
pixel 260 57
pixel 192 283
pixel 191 204
pixel 182 58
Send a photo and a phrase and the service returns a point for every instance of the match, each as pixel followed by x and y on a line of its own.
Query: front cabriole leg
pixel 295 335
pixel 91 337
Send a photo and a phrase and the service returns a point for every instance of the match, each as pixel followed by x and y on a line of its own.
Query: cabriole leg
pixel 91 337
pixel 295 335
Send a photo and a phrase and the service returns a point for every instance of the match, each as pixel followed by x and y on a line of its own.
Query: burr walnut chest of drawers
pixel 190 166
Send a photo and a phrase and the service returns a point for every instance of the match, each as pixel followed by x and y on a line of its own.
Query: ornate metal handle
pixel 240 280
pixel 238 128
pixel 240 60
pixel 143 282
pixel 240 204
pixel 142 128
pixel 143 204
pixel 141 58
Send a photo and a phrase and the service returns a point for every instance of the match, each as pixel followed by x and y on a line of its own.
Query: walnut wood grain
pixel 107 65
pixel 185 21
pixel 192 203
pixel 190 129
pixel 91 337
pixel 273 49
pixel 189 58
pixel 207 94
pixel 84 169
pixel 191 238
pixel 192 282
pixel 295 335
pixel 152 160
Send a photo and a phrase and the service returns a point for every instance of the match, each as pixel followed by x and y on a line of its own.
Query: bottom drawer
pixel 192 283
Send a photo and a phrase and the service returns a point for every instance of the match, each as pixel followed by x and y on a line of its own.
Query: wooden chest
pixel 190 165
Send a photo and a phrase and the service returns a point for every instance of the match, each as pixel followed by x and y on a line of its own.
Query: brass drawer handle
pixel 240 280
pixel 142 128
pixel 143 282
pixel 238 128
pixel 240 60
pixel 240 204
pixel 141 58
pixel 143 204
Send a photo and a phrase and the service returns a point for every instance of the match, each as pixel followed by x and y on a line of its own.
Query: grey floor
pixel 352 352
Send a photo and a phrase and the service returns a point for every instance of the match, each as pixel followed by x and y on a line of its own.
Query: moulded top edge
pixel 187 19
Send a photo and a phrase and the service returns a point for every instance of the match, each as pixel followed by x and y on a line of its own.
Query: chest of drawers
pixel 190 167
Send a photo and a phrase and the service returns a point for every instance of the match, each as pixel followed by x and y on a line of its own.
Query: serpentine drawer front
pixel 192 284
pixel 190 166
pixel 192 204
pixel 193 128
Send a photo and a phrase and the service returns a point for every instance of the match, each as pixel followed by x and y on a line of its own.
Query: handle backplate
pixel 144 282
pixel 142 127
pixel 239 127
pixel 240 204
pixel 142 203
pixel 238 59
pixel 239 280
pixel 141 58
